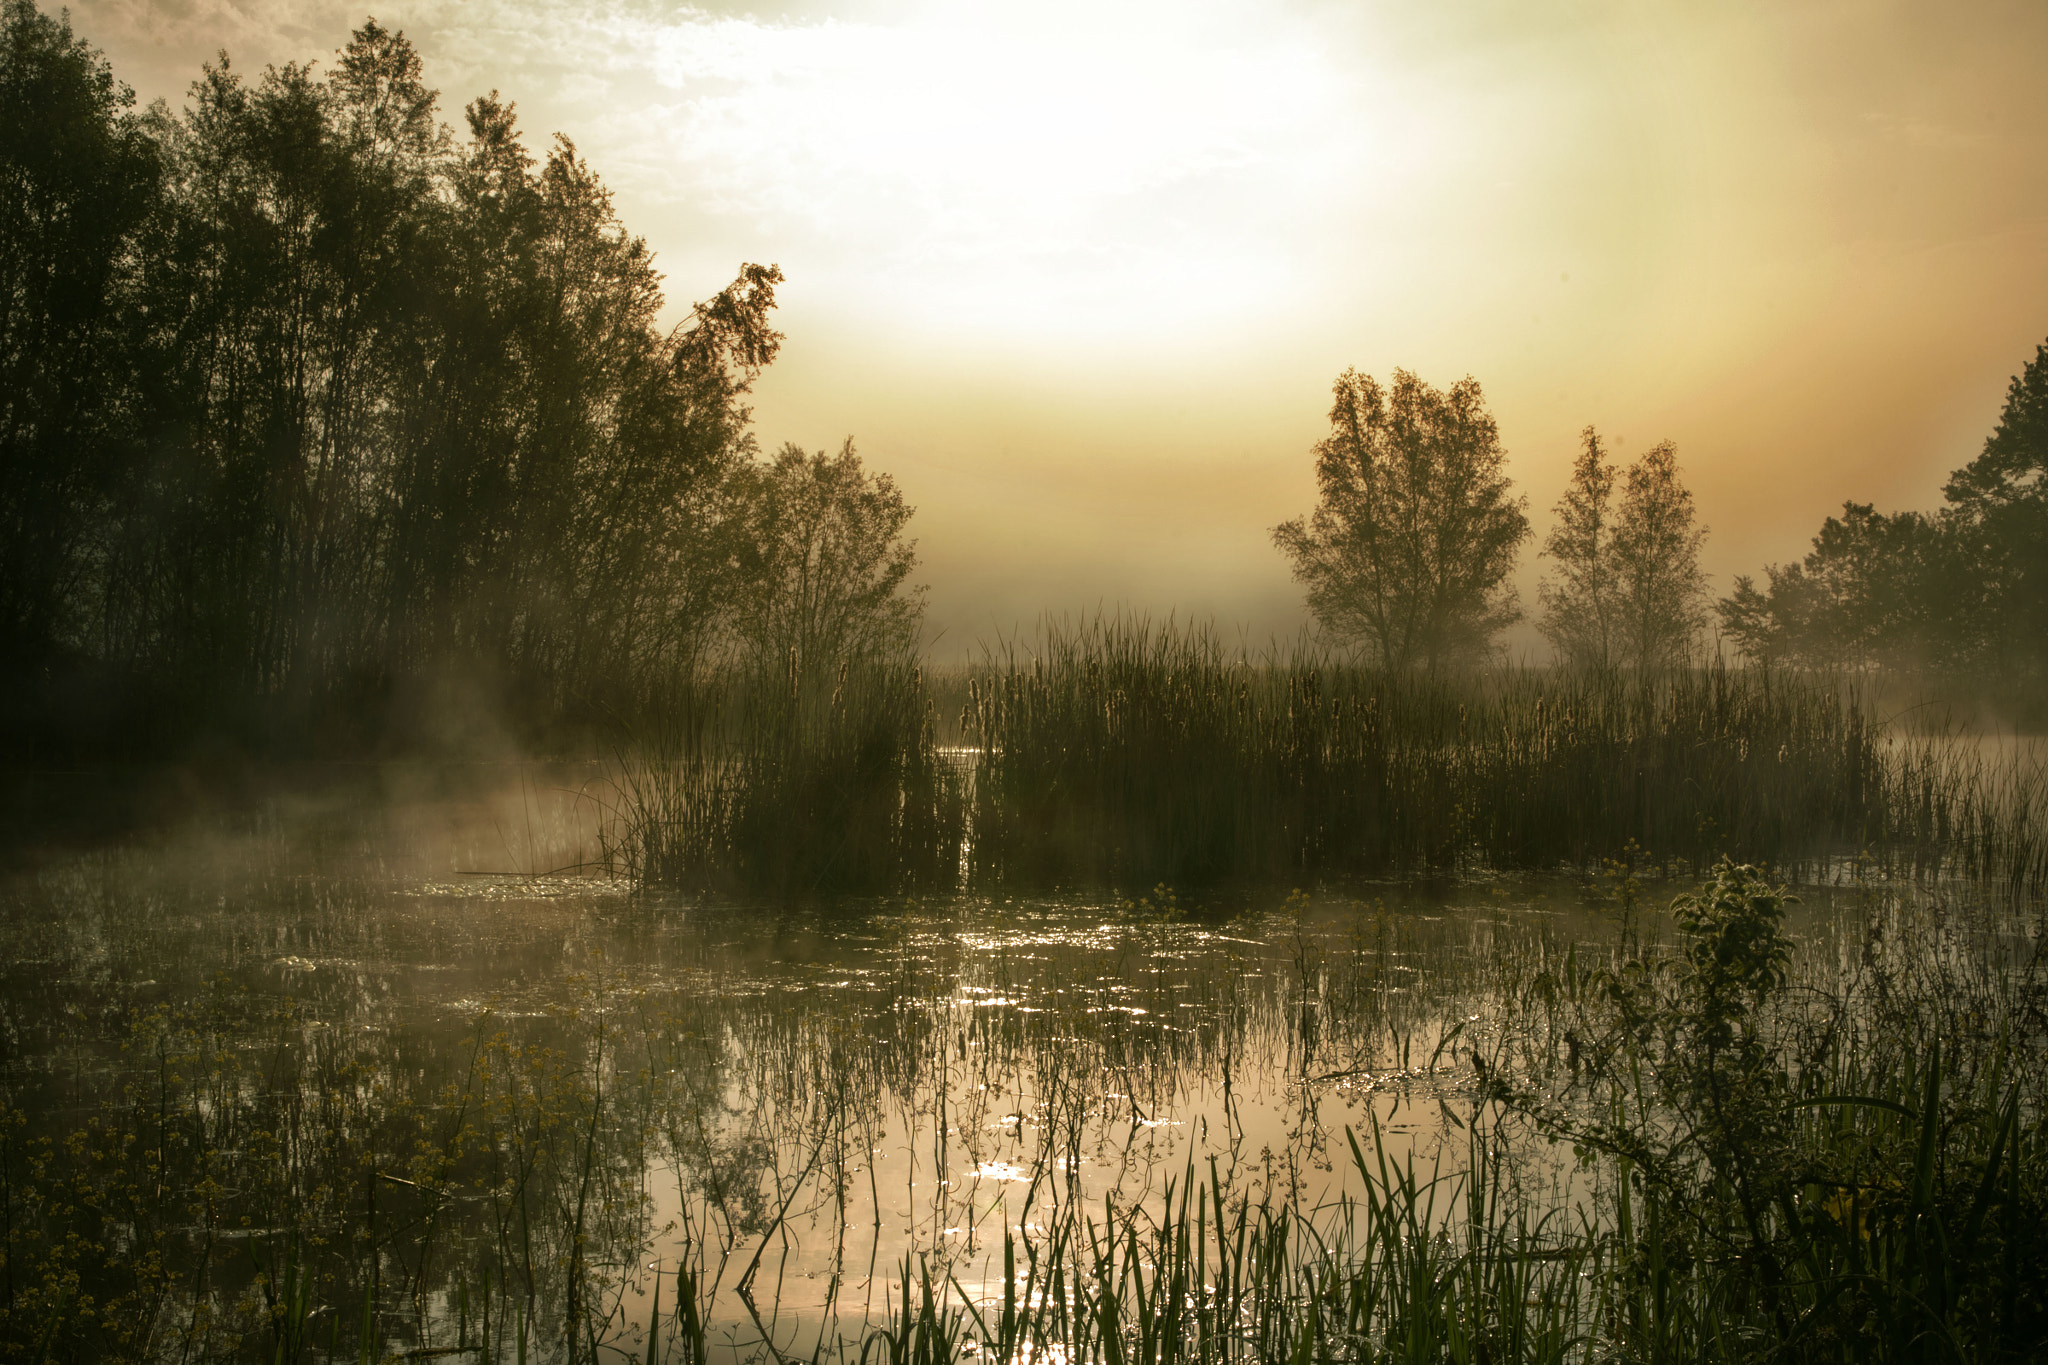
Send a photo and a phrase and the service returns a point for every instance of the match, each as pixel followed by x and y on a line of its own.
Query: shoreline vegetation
pixel 329 431
pixel 1119 755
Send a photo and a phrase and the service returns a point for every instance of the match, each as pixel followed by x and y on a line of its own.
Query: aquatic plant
pixel 944 1128
pixel 811 779
pixel 1123 754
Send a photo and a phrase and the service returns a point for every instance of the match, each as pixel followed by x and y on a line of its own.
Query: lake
pixel 392 1043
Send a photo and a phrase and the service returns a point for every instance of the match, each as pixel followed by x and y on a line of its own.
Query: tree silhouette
pixel 1961 592
pixel 305 405
pixel 2000 500
pixel 80 178
pixel 828 565
pixel 1870 592
pixel 1629 591
pixel 1409 550
pixel 1580 606
pixel 1660 592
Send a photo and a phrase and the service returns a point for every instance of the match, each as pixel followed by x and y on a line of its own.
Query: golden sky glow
pixel 1080 275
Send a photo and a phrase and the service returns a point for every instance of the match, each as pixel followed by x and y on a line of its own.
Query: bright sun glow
pixel 1155 159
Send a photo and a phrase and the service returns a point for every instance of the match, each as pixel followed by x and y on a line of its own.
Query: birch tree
pixel 1660 592
pixel 1580 605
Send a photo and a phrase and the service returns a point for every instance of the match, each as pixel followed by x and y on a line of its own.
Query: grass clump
pixel 1423 1265
pixel 1120 754
pixel 1848 1168
pixel 810 780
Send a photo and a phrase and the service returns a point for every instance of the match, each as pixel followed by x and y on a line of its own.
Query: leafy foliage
pixel 1629 591
pixel 1785 1173
pixel 1657 563
pixel 80 176
pixel 1579 606
pixel 2000 502
pixel 1876 588
pixel 312 411
pixel 830 568
pixel 1964 588
pixel 1410 548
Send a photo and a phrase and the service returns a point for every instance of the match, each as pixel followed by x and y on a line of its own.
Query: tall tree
pixel 80 178
pixel 1409 549
pixel 1629 591
pixel 1660 593
pixel 2000 504
pixel 419 419
pixel 1961 591
pixel 302 404
pixel 1875 589
pixel 286 291
pixel 1751 619
pixel 1580 607
pixel 829 567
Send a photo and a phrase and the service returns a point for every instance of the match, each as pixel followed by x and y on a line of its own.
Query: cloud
pixel 1111 169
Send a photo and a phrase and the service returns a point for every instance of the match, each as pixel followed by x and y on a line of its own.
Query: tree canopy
pixel 1999 504
pixel 831 577
pixel 1961 591
pixel 1656 550
pixel 1628 590
pixel 1581 608
pixel 80 176
pixel 304 399
pixel 1409 549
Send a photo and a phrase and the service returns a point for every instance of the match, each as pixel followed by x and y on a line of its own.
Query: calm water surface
pixel 410 1023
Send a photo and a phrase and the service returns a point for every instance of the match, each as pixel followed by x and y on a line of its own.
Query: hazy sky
pixel 1080 275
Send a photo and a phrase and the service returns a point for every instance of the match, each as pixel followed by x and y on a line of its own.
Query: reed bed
pixel 1119 755
pixel 1926 1259
pixel 805 781
pixel 1788 1151
pixel 1125 755
pixel 1837 1156
pixel 1953 809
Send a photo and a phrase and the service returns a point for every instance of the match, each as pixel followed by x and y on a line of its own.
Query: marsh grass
pixel 1120 754
pixel 1421 1265
pixel 1770 1172
pixel 1932 1259
pixel 803 782
pixel 686 1160
pixel 1950 807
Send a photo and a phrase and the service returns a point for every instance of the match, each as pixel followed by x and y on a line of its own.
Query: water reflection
pixel 352 1052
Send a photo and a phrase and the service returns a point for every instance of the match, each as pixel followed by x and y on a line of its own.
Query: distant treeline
pixel 1961 590
pixel 309 409
pixel 1409 555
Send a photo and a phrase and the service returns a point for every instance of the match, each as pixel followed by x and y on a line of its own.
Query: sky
pixel 1079 277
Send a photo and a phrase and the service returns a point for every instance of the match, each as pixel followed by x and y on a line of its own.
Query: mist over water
pixel 387 1029
pixel 828 1087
